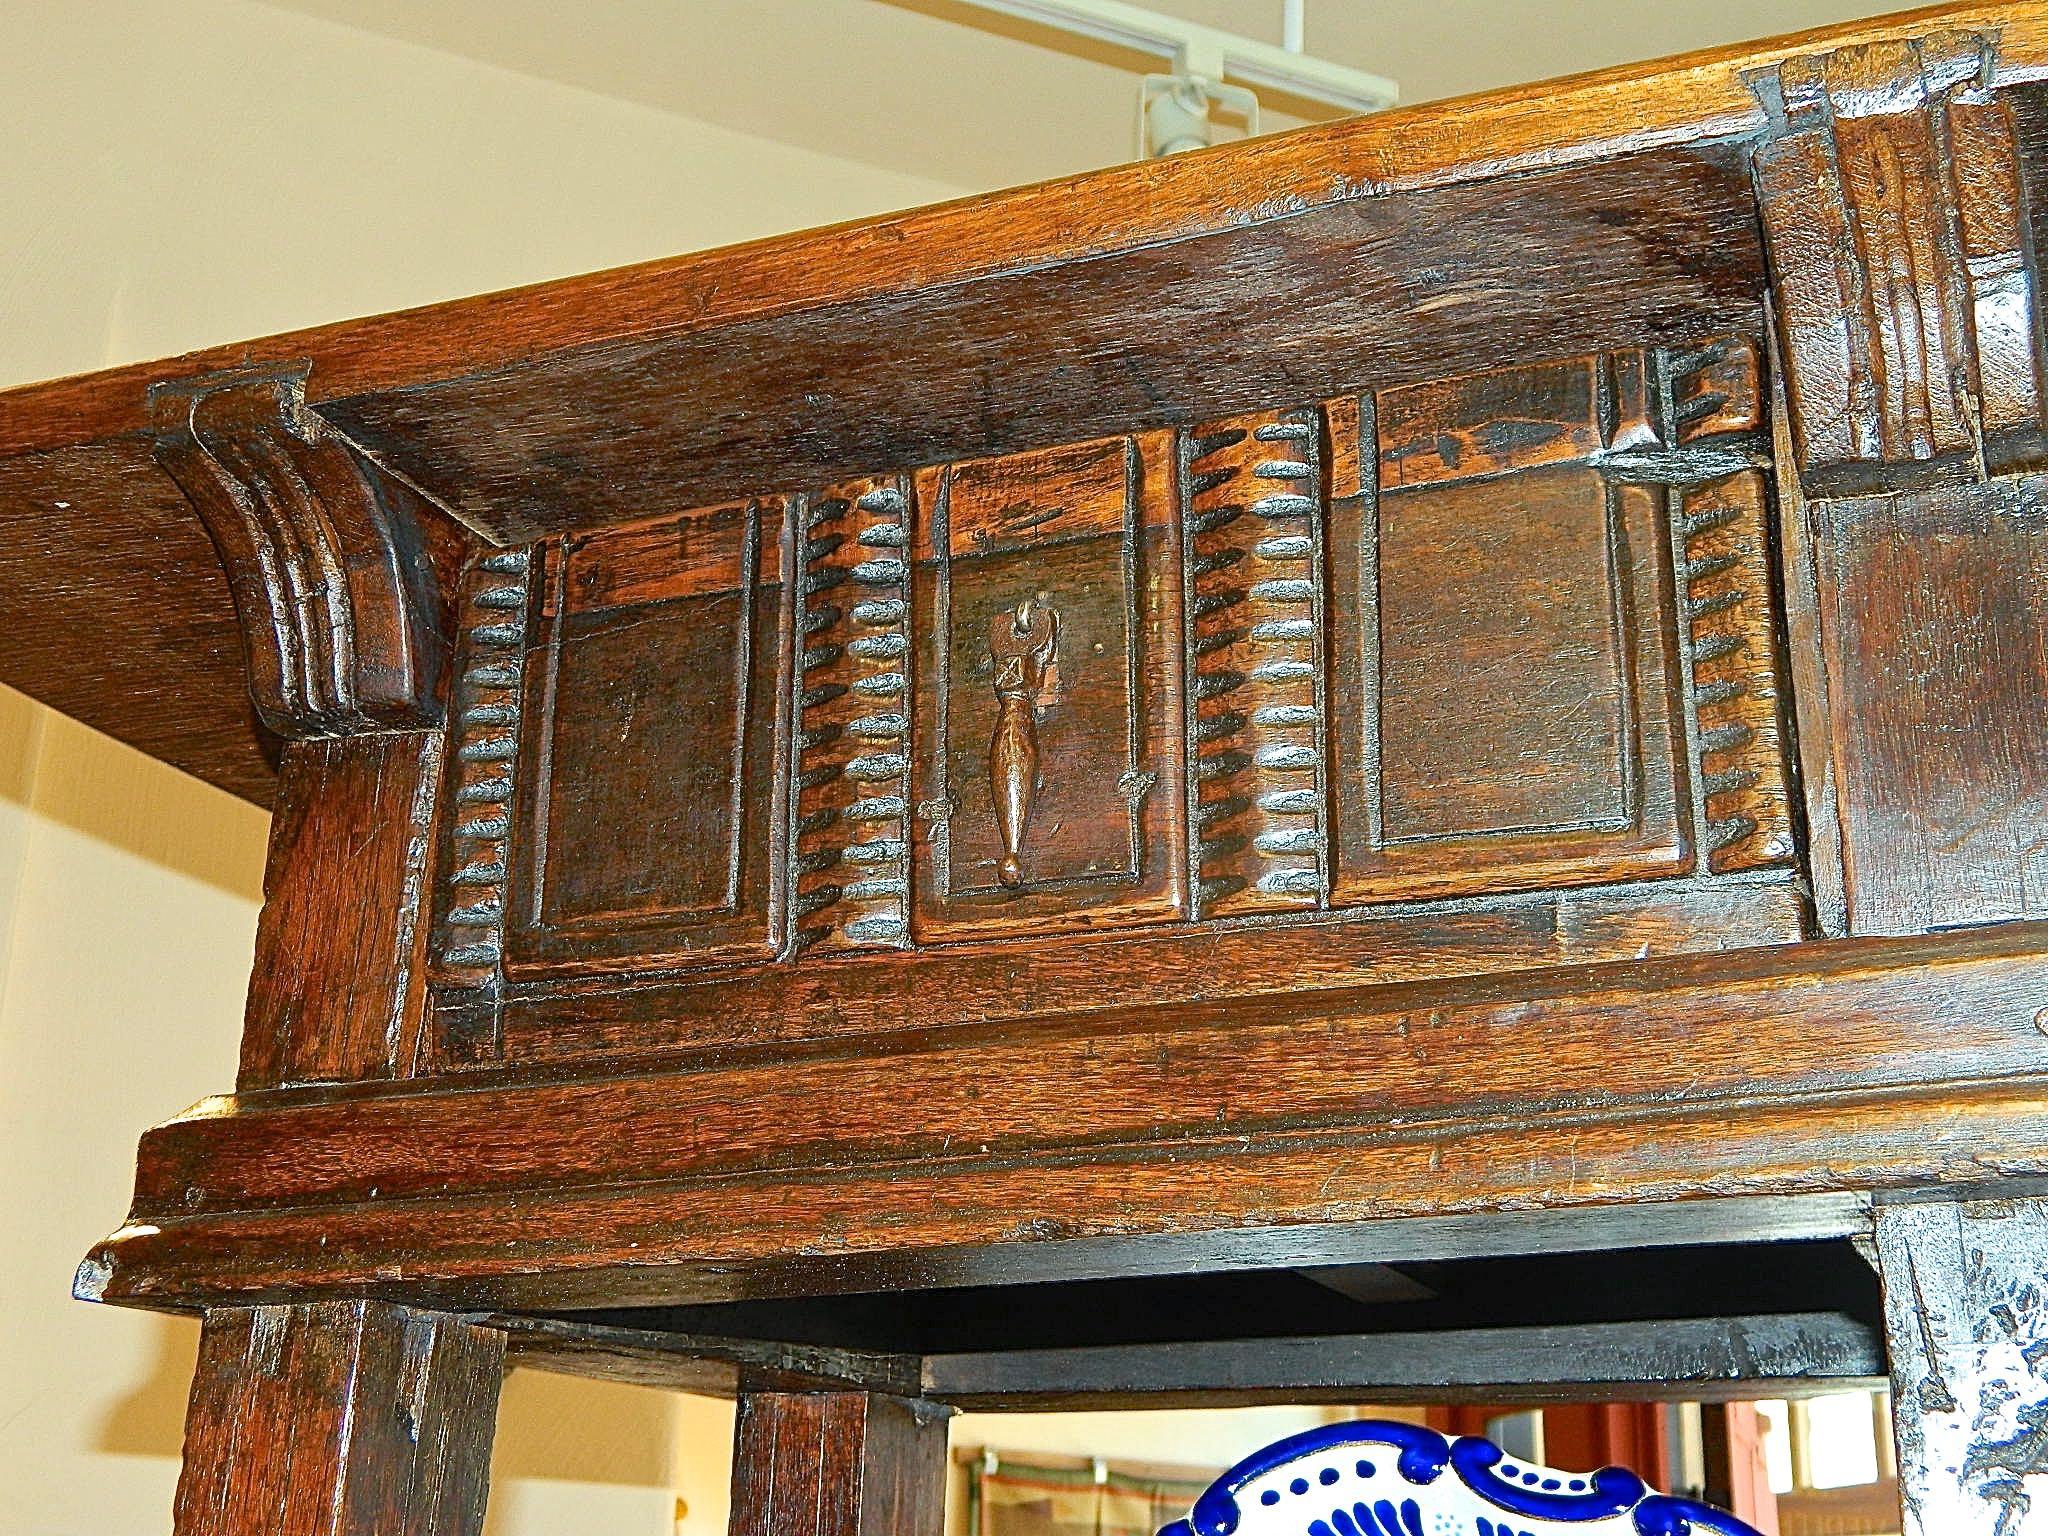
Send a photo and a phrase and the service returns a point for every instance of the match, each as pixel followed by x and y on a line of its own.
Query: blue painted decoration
pixel 1373 1477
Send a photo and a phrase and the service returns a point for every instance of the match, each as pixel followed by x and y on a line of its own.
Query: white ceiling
pixel 932 88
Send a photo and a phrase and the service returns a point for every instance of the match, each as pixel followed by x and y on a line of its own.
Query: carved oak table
pixel 1401 762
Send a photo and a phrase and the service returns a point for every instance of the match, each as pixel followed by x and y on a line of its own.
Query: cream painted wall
pixel 182 172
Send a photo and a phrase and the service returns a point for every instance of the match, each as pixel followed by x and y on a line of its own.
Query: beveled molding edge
pixel 700 1241
pixel 622 1229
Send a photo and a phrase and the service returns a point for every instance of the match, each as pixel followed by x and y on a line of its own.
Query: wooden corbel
pixel 338 602
pixel 1903 275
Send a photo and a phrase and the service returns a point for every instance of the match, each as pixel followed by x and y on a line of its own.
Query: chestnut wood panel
pixel 339 985
pixel 651 754
pixel 1515 706
pixel 837 1464
pixel 1555 648
pixel 1046 765
pixel 347 1418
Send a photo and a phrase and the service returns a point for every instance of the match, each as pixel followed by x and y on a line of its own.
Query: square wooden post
pixel 346 1418
pixel 838 1464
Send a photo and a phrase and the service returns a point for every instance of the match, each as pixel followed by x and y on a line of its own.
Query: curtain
pixel 1022 1498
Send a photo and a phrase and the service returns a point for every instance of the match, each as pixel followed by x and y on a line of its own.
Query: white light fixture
pixel 1174 109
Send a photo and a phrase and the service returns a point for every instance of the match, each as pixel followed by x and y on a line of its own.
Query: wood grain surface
pixel 345 1418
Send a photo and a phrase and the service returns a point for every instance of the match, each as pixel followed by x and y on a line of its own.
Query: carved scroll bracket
pixel 339 607
pixel 1903 273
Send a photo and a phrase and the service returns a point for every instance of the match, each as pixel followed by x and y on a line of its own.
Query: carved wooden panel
pixel 1714 397
pixel 1047 740
pixel 853 718
pixel 1503 613
pixel 1506 632
pixel 1904 288
pixel 651 778
pixel 1254 526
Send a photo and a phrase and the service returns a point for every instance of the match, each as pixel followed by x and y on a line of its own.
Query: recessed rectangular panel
pixel 1504 640
pixel 1046 719
pixel 1504 686
pixel 649 777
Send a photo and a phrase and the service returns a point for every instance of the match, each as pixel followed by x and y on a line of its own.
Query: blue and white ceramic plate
pixel 1376 1478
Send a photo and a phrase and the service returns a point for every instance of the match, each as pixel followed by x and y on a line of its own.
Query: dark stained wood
pixel 1934 641
pixel 1702 1030
pixel 851 870
pixel 1597 116
pixel 344 1418
pixel 1967 1317
pixel 681 1362
pixel 1900 262
pixel 1054 579
pixel 486 725
pixel 784 1006
pixel 1738 690
pixel 1623 112
pixel 837 1464
pixel 1320 1115
pixel 1306 306
pixel 1511 700
pixel 966 1221
pixel 326 557
pixel 1689 1360
pixel 101 544
pixel 1516 721
pixel 1257 653
pixel 1197 719
pixel 339 983
pixel 651 708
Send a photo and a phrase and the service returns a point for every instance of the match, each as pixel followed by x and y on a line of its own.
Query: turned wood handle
pixel 1021 643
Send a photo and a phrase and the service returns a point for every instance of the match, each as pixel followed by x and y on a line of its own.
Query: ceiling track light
pixel 1210 68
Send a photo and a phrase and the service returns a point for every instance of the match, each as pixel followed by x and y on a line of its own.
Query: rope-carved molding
pixel 1372 1477
pixel 336 597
